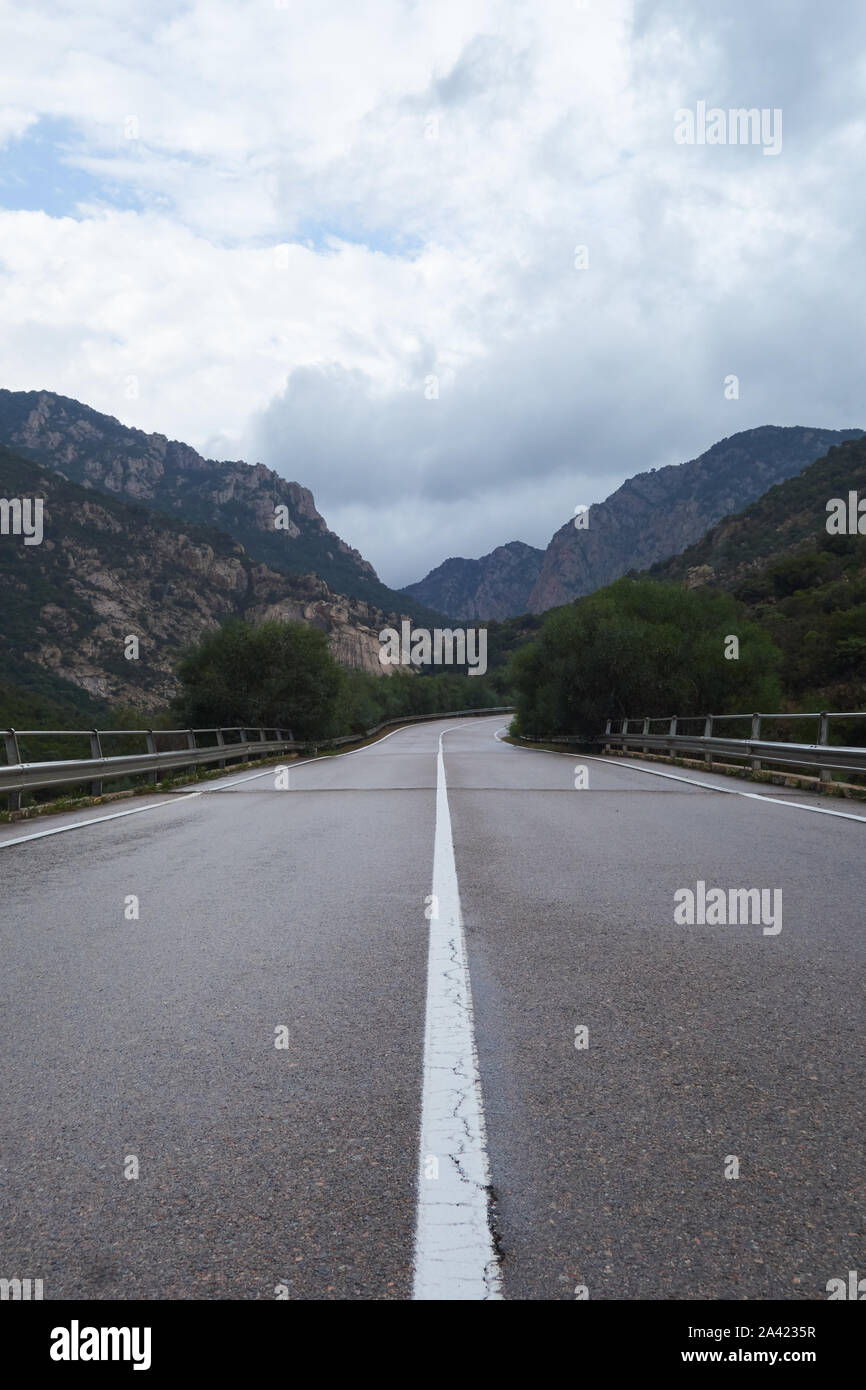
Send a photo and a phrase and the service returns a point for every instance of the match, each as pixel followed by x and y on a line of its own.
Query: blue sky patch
pixel 38 173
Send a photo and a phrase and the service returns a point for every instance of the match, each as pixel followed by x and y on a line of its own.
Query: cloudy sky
pixel 340 237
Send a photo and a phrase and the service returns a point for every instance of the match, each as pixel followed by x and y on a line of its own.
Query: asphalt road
pixel 295 1171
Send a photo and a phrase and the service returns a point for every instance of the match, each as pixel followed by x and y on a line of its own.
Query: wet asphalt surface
pixel 263 909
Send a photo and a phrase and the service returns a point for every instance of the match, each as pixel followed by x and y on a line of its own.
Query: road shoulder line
pixel 96 820
pixel 693 781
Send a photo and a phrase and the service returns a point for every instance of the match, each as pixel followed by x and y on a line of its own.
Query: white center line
pixel 455 1257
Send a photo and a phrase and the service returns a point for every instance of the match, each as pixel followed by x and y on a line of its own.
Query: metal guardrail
pixel 822 755
pixel 17 776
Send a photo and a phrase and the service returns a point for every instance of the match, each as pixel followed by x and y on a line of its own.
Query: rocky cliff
pixel 107 570
pixel 164 475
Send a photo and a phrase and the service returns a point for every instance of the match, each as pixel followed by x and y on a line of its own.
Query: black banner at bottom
pixel 158 1339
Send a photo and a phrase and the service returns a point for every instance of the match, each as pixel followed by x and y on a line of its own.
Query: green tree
pixel 639 647
pixel 272 675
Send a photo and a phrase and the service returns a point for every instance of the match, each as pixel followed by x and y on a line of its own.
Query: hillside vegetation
pixel 805 587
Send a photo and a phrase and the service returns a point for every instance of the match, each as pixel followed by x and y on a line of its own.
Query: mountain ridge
pixel 492 586
pixel 789 518
pixel 167 476
pixel 652 515
pixel 656 514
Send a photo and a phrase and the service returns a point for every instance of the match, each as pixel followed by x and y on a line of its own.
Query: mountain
pixel 788 521
pixel 805 586
pixel 166 476
pixel 107 569
pixel 496 586
pixel 658 514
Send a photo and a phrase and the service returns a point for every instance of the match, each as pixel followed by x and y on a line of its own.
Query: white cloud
pixel 404 256
pixel 14 121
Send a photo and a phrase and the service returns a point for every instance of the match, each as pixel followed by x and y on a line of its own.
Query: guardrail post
pixel 13 758
pixel 708 733
pixel 150 738
pixel 756 734
pixel 824 737
pixel 221 744
pixel 95 752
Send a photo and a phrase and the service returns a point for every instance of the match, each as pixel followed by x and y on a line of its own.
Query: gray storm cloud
pixel 702 263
